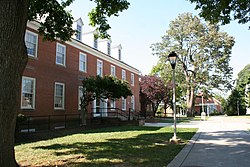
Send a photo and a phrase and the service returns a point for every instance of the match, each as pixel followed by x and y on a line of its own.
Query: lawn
pixel 117 146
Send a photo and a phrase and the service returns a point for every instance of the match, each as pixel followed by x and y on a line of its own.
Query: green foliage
pixel 98 16
pixel 203 55
pixel 106 87
pixel 224 11
pixel 239 94
pixel 56 21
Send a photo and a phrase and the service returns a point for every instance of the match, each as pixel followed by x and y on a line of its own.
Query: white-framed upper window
pixel 82 62
pixel 99 68
pixel 132 79
pixel 109 48
pixel 133 102
pixel 31 41
pixel 123 104
pixel 28 93
pixel 112 70
pixel 95 43
pixel 79 32
pixel 123 75
pixel 119 54
pixel 60 54
pixel 59 95
pixel 80 94
pixel 112 104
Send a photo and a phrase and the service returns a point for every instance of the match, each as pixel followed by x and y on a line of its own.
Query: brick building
pixel 52 78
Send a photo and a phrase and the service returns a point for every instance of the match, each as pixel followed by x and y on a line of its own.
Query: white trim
pixel 112 66
pixel 63 97
pixel 84 47
pixel 132 78
pixel 124 107
pixel 101 62
pixel 64 60
pixel 133 100
pixel 124 77
pixel 33 93
pixel 85 60
pixel 36 35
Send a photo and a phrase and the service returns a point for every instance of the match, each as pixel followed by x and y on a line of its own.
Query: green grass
pixel 117 146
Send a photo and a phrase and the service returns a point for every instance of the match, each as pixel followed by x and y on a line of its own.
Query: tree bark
pixel 190 102
pixel 84 116
pixel 13 59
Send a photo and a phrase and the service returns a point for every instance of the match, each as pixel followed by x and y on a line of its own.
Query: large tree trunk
pixel 84 116
pixel 190 102
pixel 13 59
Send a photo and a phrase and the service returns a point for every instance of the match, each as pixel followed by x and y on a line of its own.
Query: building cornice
pixel 86 48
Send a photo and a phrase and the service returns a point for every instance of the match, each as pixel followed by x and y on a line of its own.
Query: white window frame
pixel 124 104
pixel 133 102
pixel 119 54
pixel 123 75
pixel 64 58
pixel 79 96
pixel 33 93
pixel 79 32
pixel 132 79
pixel 112 104
pixel 36 43
pixel 63 96
pixel 95 43
pixel 112 70
pixel 84 61
pixel 99 67
pixel 108 48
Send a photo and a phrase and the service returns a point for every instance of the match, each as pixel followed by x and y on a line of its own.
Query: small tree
pixel 155 91
pixel 106 87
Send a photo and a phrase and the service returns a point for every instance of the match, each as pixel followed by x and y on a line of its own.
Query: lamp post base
pixel 175 140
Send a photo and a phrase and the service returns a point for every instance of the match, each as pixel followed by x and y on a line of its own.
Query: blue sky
pixel 147 20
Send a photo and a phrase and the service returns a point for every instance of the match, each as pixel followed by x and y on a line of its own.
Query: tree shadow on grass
pixel 150 149
pixel 33 137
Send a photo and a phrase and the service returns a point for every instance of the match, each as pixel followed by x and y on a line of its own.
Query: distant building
pixel 209 105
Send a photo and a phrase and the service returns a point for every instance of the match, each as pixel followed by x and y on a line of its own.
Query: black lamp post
pixel 172 58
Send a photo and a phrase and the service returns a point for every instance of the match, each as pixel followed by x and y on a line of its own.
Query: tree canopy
pixel 107 87
pixel 224 11
pixel 203 53
pixel 155 91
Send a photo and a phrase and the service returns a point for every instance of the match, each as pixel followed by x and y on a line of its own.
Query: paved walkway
pixel 220 142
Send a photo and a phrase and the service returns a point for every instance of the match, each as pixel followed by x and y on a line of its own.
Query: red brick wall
pixel 46 73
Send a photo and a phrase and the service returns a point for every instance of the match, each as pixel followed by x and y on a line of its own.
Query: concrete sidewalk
pixel 220 142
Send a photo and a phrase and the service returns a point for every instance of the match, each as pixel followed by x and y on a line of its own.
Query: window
pixel 123 75
pixel 119 54
pixel 112 104
pixel 79 32
pixel 80 94
pixel 133 102
pixel 83 62
pixel 112 70
pixel 95 43
pixel 123 104
pixel 59 96
pixel 60 54
pixel 108 48
pixel 28 93
pixel 99 67
pixel 31 43
pixel 132 79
